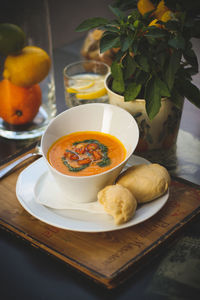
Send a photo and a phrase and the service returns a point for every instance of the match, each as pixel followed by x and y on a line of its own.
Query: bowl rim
pixel 99 174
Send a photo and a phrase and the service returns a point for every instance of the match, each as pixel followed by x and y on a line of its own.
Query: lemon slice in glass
pixel 80 82
pixel 80 86
pixel 97 90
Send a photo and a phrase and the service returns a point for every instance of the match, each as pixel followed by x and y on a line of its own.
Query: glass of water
pixel 84 82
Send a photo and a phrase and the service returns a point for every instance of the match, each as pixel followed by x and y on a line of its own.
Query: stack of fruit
pixel 24 68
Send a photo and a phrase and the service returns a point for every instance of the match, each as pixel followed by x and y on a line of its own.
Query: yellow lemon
pixel 81 84
pixel 97 90
pixel 145 6
pixel 27 68
pixel 160 9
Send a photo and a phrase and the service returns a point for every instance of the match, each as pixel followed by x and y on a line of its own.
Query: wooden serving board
pixel 108 258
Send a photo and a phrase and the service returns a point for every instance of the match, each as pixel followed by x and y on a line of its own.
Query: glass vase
pixel 33 18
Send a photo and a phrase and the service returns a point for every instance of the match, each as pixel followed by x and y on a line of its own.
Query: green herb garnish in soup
pixel 86 153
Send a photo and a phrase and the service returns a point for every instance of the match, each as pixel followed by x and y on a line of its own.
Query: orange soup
pixel 86 153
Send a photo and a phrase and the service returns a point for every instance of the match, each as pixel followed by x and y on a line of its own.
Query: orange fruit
pixel 160 9
pixel 167 16
pixel 29 67
pixel 145 6
pixel 19 105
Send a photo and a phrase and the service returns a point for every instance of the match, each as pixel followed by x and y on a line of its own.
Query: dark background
pixel 26 272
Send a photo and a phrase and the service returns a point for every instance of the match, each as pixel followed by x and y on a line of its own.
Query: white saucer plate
pixel 73 219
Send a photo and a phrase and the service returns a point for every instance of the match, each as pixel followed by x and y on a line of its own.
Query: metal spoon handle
pixel 11 166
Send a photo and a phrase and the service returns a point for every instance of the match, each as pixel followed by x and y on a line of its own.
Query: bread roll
pixel 118 202
pixel 145 181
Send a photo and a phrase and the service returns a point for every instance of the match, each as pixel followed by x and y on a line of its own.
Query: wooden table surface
pixel 27 273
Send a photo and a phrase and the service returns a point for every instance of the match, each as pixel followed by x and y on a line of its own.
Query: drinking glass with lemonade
pixel 84 82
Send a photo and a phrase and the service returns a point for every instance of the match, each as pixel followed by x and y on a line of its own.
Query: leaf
pixel 164 91
pixel 117 12
pixel 135 46
pixel 177 42
pixel 191 71
pixel 171 68
pixel 119 55
pixel 132 91
pixel 126 41
pixel 190 91
pixel 191 58
pixel 161 46
pixel 135 13
pixel 118 86
pixel 189 22
pixel 108 41
pixel 143 62
pixel 182 75
pixel 141 77
pixel 172 25
pixel 132 27
pixel 161 58
pixel 112 28
pixel 91 23
pixel 155 33
pixel 117 74
pixel 152 97
pixel 196 29
pixel 116 70
pixel 176 98
pixel 129 66
pixel 189 51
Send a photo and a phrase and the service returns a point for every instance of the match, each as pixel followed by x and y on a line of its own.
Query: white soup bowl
pixel 105 118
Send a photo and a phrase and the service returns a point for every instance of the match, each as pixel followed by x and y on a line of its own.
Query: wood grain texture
pixel 108 258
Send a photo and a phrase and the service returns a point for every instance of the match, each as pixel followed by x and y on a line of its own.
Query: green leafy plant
pixel 153 61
